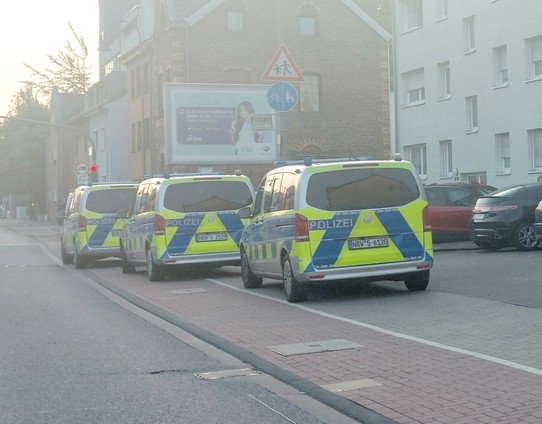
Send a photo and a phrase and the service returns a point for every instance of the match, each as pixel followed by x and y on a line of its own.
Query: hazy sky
pixel 32 29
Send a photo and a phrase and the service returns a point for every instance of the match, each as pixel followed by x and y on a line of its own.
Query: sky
pixel 32 29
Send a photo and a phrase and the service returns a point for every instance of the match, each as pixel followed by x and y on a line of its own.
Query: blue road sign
pixel 282 96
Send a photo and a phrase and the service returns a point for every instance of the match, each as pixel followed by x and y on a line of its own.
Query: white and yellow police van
pixel 91 228
pixel 312 223
pixel 184 220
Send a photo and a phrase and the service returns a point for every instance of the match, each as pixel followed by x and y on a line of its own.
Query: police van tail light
pixel 82 223
pixel 426 219
pixel 159 225
pixel 301 228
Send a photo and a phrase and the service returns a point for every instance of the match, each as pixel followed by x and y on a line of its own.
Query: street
pixel 71 355
pixel 469 343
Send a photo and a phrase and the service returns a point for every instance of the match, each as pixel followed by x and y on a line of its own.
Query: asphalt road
pixel 69 354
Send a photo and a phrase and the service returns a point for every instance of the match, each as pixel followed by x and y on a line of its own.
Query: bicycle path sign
pixel 282 96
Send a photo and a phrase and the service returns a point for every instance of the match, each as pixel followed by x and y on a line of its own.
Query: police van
pixel 184 219
pixel 91 228
pixel 312 223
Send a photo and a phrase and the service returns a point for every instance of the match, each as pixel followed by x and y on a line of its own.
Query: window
pixel 446 168
pixel 441 7
pixel 468 34
pixel 138 136
pixel 502 153
pixel 207 196
pixel 235 21
pixel 533 53
pixel 472 113
pixel 307 25
pixel 444 80
pixel 414 90
pixel 358 188
pixel 500 66
pixel 132 84
pixel 133 138
pixel 535 149
pixel 309 93
pixel 418 156
pixel 145 76
pixel 411 12
pixel 307 21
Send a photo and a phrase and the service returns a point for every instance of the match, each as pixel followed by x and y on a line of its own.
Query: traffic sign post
pixel 282 96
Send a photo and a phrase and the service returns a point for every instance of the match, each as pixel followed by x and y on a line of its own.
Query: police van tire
pixel 66 259
pixel 155 272
pixel 79 260
pixel 295 292
pixel 417 281
pixel 250 281
pixel 127 267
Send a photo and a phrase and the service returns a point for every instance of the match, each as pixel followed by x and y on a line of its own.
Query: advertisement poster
pixel 208 124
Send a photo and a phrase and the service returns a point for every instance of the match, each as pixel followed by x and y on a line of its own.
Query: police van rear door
pixel 364 214
pixel 103 228
pixel 201 215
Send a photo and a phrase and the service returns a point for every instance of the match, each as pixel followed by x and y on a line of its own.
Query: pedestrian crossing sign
pixel 282 67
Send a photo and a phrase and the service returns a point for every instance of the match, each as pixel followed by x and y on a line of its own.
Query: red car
pixel 450 208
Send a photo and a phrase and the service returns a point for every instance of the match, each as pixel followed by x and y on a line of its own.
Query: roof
pixel 184 11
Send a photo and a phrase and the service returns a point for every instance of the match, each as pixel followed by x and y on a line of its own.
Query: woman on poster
pixel 241 132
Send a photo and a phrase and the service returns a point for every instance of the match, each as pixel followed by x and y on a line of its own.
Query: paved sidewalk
pixel 399 378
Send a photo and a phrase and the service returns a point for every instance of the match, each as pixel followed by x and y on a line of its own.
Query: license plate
pixel 211 237
pixel 116 233
pixel 368 243
pixel 478 216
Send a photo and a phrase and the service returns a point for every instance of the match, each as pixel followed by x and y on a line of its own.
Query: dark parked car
pixel 506 218
pixel 538 221
pixel 450 208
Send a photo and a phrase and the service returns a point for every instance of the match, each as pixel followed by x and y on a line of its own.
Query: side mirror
pixel 122 214
pixel 244 212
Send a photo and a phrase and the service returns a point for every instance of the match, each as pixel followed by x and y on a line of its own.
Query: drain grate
pixel 314 347
pixel 215 375
pixel 188 291
pixel 346 386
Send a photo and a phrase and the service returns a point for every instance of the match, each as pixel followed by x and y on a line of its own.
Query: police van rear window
pixel 367 188
pixel 110 200
pixel 207 196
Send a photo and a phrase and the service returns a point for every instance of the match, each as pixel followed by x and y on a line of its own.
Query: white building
pixel 468 76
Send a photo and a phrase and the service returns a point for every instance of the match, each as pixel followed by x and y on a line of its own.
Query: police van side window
pixel 287 188
pixel 354 189
pixel 258 201
pixel 139 196
pixel 269 202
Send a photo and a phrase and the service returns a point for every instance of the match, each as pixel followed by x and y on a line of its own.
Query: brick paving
pixel 414 382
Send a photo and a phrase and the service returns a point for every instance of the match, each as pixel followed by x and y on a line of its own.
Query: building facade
pixel 343 108
pixel 469 89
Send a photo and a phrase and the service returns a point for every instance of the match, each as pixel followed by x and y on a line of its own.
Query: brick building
pixel 341 50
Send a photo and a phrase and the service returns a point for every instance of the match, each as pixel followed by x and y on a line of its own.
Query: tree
pixel 23 137
pixel 69 72
pixel 23 141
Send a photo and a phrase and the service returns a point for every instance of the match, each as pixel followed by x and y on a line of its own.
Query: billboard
pixel 211 123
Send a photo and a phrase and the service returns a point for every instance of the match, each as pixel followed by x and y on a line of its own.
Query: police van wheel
pixel 79 261
pixel 417 281
pixel 155 272
pixel 127 267
pixel 250 281
pixel 295 292
pixel 66 259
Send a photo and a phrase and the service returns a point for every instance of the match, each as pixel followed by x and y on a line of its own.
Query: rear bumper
pixel 388 271
pixel 227 258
